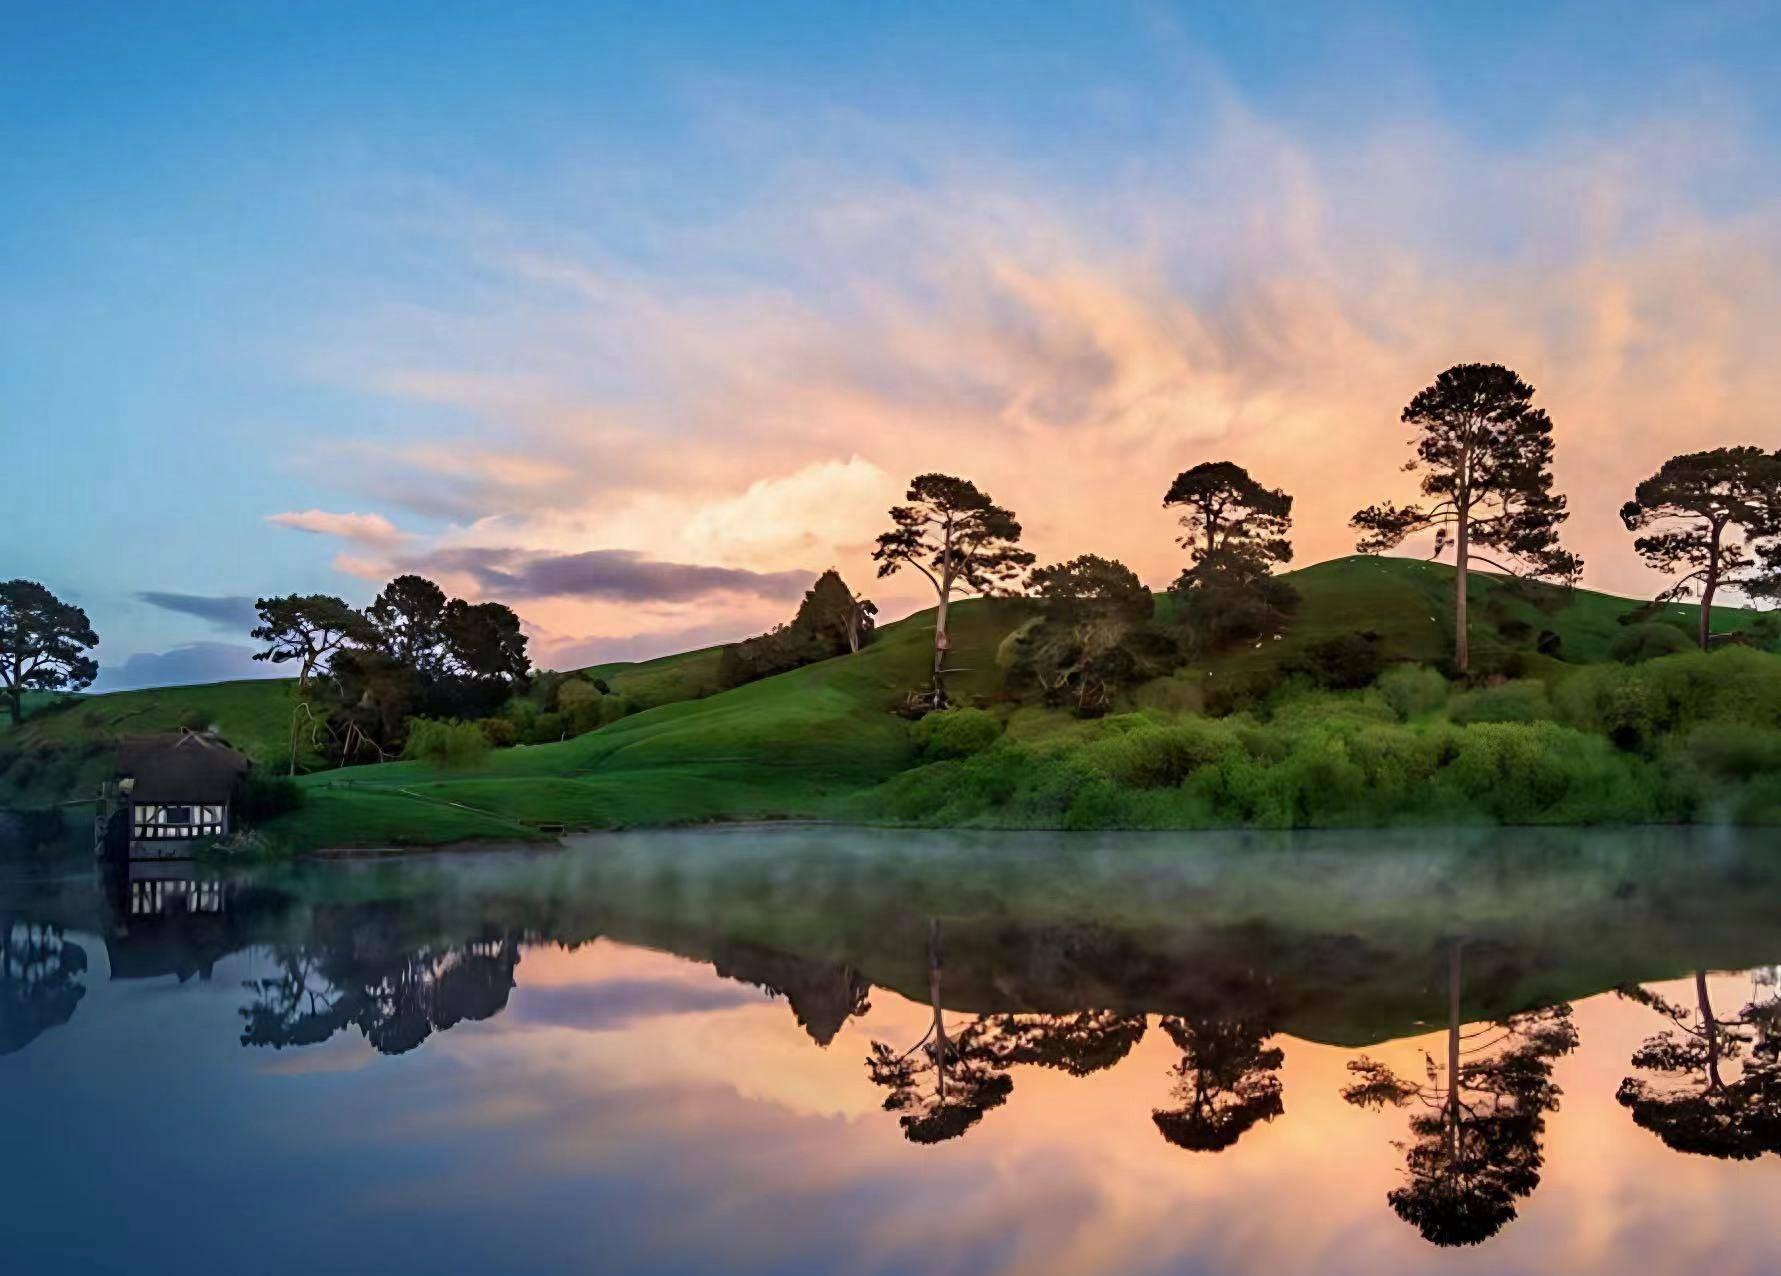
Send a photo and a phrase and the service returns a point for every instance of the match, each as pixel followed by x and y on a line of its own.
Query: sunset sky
pixel 637 317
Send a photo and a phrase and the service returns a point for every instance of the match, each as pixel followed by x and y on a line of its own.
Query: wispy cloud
pixel 616 575
pixel 225 611
pixel 362 529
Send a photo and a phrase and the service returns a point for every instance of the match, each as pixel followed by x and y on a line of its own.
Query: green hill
pixel 802 744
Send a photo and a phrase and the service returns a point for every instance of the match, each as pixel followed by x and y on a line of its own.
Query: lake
pixel 823 1050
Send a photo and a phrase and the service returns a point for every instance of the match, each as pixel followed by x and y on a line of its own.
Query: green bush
pixel 263 794
pixel 1155 756
pixel 1635 705
pixel 446 741
pixel 1410 691
pixel 501 733
pixel 955 733
pixel 1343 663
pixel 1520 701
pixel 1638 643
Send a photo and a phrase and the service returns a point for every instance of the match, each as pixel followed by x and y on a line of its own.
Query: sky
pixel 638 317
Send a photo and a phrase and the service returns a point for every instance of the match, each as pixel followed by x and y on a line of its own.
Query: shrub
pixel 548 728
pixel 446 741
pixel 1346 662
pixel 955 733
pixel 1520 701
pixel 501 733
pixel 1154 756
pixel 579 701
pixel 263 794
pixel 1638 643
pixel 1410 691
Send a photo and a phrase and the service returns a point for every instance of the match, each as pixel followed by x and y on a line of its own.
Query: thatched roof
pixel 179 768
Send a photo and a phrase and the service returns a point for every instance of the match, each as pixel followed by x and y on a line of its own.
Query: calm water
pixel 816 1051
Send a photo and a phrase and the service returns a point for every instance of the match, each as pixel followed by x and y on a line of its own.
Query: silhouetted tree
pixel 408 619
pixel 483 642
pixel 1714 1084
pixel 40 983
pixel 1485 453
pixel 1705 512
pixel 43 642
pixel 305 628
pixel 834 614
pixel 942 1085
pixel 1224 511
pixel 958 538
pixel 1227 1081
pixel 1475 1149
pixel 1082 644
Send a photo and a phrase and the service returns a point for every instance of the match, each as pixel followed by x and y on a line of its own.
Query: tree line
pixel 1710 521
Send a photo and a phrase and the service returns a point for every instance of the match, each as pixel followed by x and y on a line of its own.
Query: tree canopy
pixel 1226 511
pixel 1485 455
pixel 43 644
pixel 1705 515
pixel 306 627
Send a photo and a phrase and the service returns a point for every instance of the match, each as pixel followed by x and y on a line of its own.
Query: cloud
pixel 225 611
pixel 615 575
pixel 361 529
pixel 185 665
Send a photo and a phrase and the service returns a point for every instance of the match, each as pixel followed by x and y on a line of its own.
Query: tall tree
pixel 484 641
pixel 1712 1084
pixel 1224 510
pixel 304 628
pixel 1485 452
pixel 409 619
pixel 1477 1122
pixel 1705 513
pixel 942 1085
pixel 952 533
pixel 43 644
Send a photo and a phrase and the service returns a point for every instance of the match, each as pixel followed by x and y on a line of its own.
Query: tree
pixel 1091 609
pixel 408 618
pixel 1714 1084
pixel 835 613
pixel 952 533
pixel 1705 512
pixel 43 642
pixel 304 628
pixel 1079 1044
pixel 1229 598
pixel 1486 456
pixel 1226 511
pixel 942 1085
pixel 483 642
pixel 1227 1081
pixel 40 980
pixel 1476 1146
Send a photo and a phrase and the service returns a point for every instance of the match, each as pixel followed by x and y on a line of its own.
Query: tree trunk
pixel 1462 650
pixel 1709 1027
pixel 940 647
pixel 1454 1027
pixel 1709 587
pixel 939 1015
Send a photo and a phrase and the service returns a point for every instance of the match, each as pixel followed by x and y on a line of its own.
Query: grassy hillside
pixel 801 744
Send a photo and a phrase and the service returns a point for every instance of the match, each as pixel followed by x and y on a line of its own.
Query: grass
pixel 804 744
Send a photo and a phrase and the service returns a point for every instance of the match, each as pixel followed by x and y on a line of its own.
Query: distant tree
pixel 1227 1081
pixel 43 642
pixel 1705 512
pixel 1713 1084
pixel 1486 456
pixel 942 1085
pixel 408 618
pixel 952 533
pixel 373 696
pixel 833 612
pixel 305 628
pixel 1476 1123
pixel 1082 645
pixel 483 642
pixel 1226 511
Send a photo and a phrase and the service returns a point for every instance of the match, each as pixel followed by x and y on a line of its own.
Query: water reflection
pixel 1429 998
pixel 1709 1084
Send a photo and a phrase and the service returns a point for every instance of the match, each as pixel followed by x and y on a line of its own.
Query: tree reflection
pixel 40 983
pixel 1226 1082
pixel 942 1085
pixel 395 999
pixel 1475 1145
pixel 1714 1084
pixel 1079 1044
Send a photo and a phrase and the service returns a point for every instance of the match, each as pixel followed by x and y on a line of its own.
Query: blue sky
pixel 541 282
